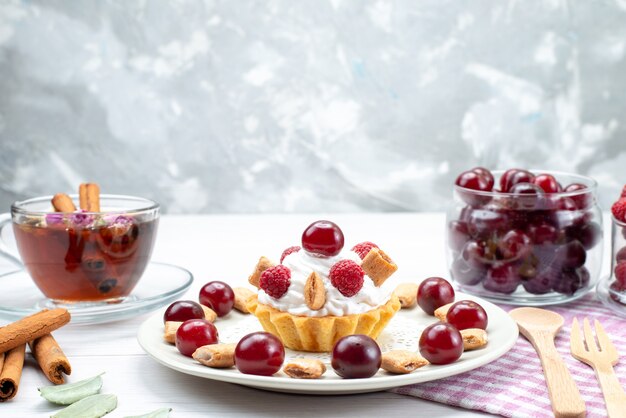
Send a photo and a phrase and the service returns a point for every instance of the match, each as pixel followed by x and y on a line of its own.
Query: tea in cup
pixel 85 255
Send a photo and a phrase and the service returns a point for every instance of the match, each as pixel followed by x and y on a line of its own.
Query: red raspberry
pixel 619 209
pixel 623 191
pixel 363 248
pixel 288 251
pixel 620 273
pixel 616 290
pixel 347 277
pixel 275 281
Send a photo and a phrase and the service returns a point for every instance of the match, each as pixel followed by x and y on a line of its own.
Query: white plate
pixel 160 284
pixel 402 333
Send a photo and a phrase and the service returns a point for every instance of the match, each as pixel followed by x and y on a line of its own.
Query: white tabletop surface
pixel 227 247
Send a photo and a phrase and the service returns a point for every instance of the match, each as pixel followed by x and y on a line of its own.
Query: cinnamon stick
pixel 32 327
pixel 63 203
pixel 89 197
pixel 11 372
pixel 50 358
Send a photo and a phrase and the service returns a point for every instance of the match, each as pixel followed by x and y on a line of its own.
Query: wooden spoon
pixel 540 326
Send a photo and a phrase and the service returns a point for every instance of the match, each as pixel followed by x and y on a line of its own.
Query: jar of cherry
pixel 524 237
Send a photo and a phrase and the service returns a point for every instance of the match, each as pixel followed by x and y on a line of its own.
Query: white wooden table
pixel 227 247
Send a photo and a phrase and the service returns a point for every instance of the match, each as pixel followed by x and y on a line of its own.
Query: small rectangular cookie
pixel 402 361
pixel 473 338
pixel 407 294
pixel 216 355
pixel 170 331
pixel 442 312
pixel 263 264
pixel 209 314
pixel 241 297
pixel 304 368
pixel 378 266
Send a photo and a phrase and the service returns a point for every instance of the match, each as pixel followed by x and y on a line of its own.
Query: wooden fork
pixel 601 357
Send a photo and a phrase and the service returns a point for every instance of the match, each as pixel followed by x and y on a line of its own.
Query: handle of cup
pixel 5 251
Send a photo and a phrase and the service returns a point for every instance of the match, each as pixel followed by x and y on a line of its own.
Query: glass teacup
pixel 84 256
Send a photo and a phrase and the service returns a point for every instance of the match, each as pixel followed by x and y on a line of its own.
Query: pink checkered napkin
pixel 514 386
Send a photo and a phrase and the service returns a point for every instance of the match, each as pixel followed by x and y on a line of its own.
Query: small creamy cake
pixel 321 292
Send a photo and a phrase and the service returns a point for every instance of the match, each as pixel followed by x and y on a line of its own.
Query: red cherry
pixel 475 253
pixel 526 188
pixel 543 233
pixel 218 296
pixel 583 197
pixel 571 280
pixel 473 180
pixel 433 293
pixel 504 179
pixel 465 274
pixel 514 176
pixel 441 343
pixel 356 356
pixel 483 223
pixel 564 204
pixel 588 234
pixel 527 196
pixel 515 244
pixel 458 235
pixel 259 353
pixel 574 187
pixel 542 283
pixel 194 333
pixel 323 238
pixel 486 175
pixel 502 278
pixel 183 310
pixel 571 255
pixel 467 314
pixel 547 182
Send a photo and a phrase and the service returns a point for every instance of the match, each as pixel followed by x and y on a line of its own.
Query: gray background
pixel 302 106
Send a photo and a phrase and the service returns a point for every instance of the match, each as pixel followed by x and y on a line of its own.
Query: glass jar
pixel 526 249
pixel 612 289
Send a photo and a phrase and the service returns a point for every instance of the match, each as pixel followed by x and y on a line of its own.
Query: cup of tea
pixel 84 256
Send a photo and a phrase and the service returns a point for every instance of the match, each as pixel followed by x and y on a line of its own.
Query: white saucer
pixel 160 284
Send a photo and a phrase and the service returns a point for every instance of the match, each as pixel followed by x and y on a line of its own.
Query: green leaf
pixel 71 392
pixel 159 413
pixel 93 406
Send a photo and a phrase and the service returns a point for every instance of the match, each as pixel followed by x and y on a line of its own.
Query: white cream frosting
pixel 301 264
